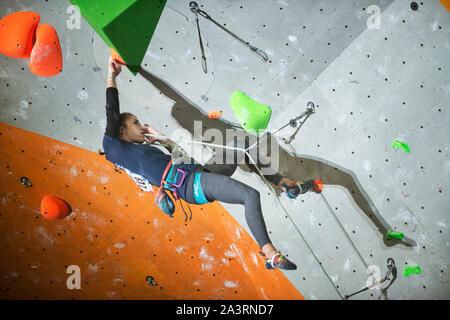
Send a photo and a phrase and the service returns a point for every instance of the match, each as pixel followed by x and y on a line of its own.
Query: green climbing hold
pixel 401 145
pixel 127 26
pixel 394 235
pixel 253 116
pixel 411 270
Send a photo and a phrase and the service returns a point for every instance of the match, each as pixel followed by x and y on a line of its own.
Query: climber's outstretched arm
pixel 112 112
pixel 112 101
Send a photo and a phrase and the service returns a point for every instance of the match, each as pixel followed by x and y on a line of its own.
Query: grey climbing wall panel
pixel 370 87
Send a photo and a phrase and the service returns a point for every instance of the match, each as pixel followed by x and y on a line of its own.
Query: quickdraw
pixel 310 109
pixel 196 10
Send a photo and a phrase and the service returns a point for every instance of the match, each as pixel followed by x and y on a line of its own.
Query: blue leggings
pixel 218 185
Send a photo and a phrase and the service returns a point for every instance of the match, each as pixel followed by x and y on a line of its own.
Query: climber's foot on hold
pixel 306 186
pixel 278 260
pixel 294 188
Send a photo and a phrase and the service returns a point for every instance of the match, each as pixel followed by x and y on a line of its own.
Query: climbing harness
pixel 391 269
pixel 168 182
pixel 196 10
pixel 162 199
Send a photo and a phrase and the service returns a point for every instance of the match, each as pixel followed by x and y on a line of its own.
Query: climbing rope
pixel 292 123
pixel 296 228
pixel 270 186
pixel 343 230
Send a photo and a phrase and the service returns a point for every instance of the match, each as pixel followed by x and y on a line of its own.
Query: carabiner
pixel 194 7
pixel 261 53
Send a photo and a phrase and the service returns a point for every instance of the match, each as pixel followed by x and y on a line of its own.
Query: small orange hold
pixel 318 185
pixel 53 208
pixel 17 34
pixel 115 56
pixel 46 57
pixel 215 114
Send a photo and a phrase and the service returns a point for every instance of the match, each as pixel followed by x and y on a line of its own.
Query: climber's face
pixel 132 131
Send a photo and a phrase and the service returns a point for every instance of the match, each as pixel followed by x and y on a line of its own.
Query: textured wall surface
pixel 371 86
pixel 115 234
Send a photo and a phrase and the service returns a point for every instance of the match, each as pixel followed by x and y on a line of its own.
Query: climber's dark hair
pixel 124 117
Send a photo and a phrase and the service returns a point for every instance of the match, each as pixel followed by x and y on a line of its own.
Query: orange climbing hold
pixel 53 208
pixel 318 185
pixel 115 56
pixel 17 34
pixel 46 57
pixel 215 114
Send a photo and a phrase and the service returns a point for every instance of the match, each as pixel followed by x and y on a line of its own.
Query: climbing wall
pixel 377 71
pixel 115 235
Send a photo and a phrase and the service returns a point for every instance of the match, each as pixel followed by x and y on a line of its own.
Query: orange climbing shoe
pixel 279 261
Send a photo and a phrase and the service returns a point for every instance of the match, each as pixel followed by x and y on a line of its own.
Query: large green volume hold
pixel 127 26
pixel 253 116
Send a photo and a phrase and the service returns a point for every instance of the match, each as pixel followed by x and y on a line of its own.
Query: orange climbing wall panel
pixel 115 234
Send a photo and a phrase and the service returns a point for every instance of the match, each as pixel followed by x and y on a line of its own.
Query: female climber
pixel 127 147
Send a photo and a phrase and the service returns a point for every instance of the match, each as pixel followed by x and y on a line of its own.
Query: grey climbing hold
pixel 25 182
pixel 151 281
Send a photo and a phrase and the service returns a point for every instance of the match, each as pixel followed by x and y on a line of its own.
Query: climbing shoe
pixel 295 190
pixel 279 261
pixel 306 186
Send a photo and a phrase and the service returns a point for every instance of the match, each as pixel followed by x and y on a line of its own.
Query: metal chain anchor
pixel 196 10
